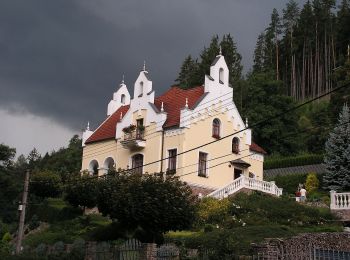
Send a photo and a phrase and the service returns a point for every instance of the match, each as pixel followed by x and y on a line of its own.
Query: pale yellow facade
pixel 192 136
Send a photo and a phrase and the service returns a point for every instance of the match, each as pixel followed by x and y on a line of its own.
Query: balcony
pixel 133 139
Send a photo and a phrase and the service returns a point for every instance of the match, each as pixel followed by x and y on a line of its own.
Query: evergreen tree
pixel 337 157
pixel 188 76
pixel 259 54
pixel 192 72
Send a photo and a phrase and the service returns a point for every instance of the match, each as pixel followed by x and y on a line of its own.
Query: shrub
pixel 312 182
pixel 46 184
pixel 212 211
pixel 299 160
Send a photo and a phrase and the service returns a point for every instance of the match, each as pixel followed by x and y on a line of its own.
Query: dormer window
pixel 122 99
pixel 216 128
pixel 221 76
pixel 141 89
pixel 235 145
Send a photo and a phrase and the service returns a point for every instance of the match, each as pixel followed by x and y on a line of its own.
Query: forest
pixel 303 53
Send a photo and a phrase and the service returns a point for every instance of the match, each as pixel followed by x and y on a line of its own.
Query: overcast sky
pixel 61 60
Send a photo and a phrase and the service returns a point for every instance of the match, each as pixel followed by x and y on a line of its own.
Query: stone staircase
pixel 247 183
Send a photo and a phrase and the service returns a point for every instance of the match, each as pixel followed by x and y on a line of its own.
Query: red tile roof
pixel 107 129
pixel 175 99
pixel 256 148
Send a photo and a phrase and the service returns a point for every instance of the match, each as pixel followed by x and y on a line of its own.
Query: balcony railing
pixel 134 139
pixel 137 134
pixel 340 201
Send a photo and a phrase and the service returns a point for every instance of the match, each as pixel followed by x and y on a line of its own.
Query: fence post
pixel 332 194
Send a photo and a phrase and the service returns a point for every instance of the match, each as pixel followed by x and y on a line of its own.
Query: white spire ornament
pixel 246 122
pixel 186 106
pixel 123 80
pixel 144 65
pixel 162 107
pixel 220 51
pixel 88 126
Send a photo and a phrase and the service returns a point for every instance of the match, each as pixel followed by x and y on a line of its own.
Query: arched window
pixel 93 167
pixel 141 89
pixel 108 164
pixel 235 145
pixel 122 99
pixel 137 163
pixel 221 75
pixel 216 128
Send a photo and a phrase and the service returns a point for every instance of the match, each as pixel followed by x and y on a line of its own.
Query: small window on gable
pixel 216 128
pixel 221 75
pixel 141 89
pixel 235 145
pixel 122 99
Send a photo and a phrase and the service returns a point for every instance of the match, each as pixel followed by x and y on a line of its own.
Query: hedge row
pixel 299 160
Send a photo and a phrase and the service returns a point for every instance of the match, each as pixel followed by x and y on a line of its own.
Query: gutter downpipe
pixel 162 155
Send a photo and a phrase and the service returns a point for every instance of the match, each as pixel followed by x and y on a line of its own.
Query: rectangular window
pixel 202 164
pixel 172 160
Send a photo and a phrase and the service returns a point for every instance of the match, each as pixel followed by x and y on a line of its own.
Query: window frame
pixel 235 150
pixel 172 160
pixel 203 169
pixel 216 128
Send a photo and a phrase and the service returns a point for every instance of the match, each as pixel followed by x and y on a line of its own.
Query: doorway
pixel 237 173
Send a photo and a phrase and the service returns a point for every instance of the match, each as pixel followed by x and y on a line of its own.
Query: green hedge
pixel 299 160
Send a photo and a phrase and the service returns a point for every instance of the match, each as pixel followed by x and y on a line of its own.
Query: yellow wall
pixel 182 139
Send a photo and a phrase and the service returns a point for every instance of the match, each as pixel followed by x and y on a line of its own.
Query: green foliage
pixel 147 202
pixel 192 72
pixel 337 157
pixel 52 211
pixel 312 183
pixel 82 191
pixel 212 211
pixel 291 161
pixel 46 184
pixel 65 161
pixel 6 237
pixel 265 99
pixel 6 155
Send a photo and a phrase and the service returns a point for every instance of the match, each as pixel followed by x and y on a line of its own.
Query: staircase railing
pixel 249 183
pixel 340 200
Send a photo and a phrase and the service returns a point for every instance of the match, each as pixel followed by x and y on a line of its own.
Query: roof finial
pixel 123 80
pixel 162 107
pixel 186 103
pixel 220 51
pixel 88 126
pixel 144 65
pixel 246 122
pixel 121 115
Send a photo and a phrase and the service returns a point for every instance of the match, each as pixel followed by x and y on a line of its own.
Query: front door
pixel 237 173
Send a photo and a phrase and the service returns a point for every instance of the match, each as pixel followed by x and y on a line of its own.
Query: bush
pixel 312 182
pixel 46 184
pixel 289 183
pixel 299 160
pixel 212 211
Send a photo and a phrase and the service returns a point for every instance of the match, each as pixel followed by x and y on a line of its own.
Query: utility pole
pixel 22 208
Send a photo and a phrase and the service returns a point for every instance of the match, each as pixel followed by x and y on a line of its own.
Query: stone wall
pixel 303 246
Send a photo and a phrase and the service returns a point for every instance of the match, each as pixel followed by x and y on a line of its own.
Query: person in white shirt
pixel 302 194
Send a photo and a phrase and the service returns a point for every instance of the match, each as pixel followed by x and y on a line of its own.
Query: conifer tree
pixel 188 76
pixel 337 157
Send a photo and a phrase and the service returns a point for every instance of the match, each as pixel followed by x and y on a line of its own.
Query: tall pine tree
pixel 337 157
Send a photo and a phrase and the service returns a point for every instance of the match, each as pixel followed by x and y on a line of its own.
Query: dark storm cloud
pixel 63 59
